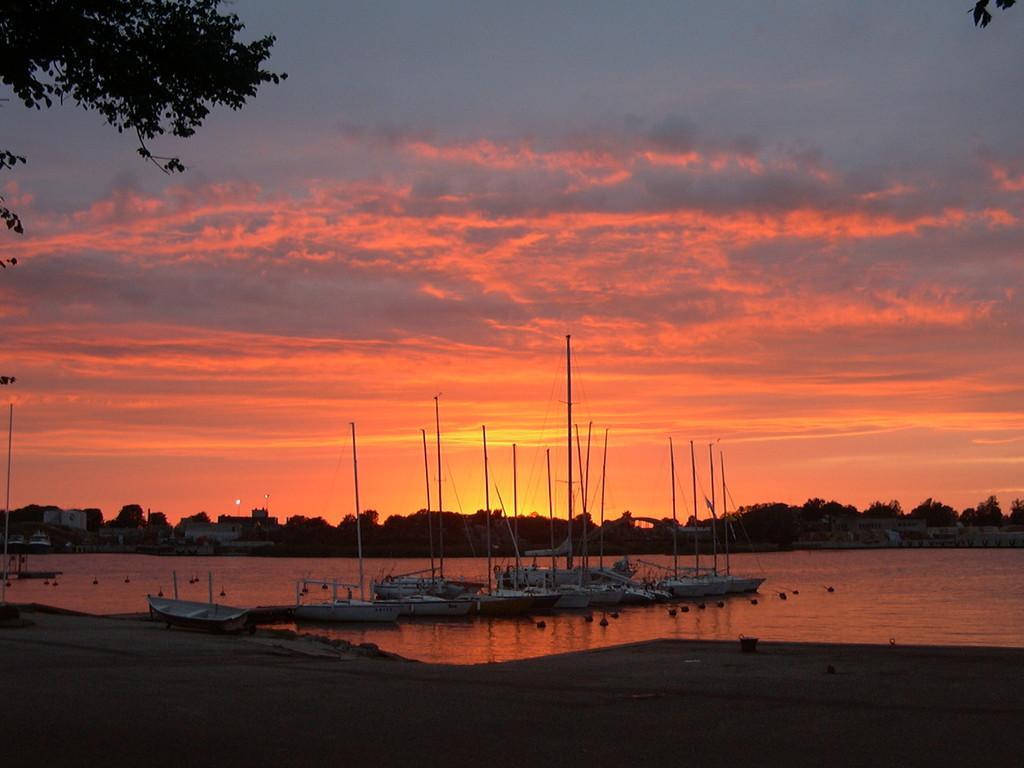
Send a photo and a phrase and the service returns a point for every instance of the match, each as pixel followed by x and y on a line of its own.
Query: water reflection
pixel 969 597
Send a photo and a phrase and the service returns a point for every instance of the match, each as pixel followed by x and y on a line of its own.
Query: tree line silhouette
pixel 773 524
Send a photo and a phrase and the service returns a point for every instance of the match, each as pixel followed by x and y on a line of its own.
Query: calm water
pixel 943 597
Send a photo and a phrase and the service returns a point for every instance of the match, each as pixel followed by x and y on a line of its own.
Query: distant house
pixel 66 518
pixel 258 520
pixel 219 532
pixel 877 527
pixel 121 536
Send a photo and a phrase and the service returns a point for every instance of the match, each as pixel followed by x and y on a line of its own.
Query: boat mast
pixel 515 513
pixel 551 519
pixel 696 541
pixel 583 506
pixel 584 495
pixel 725 514
pixel 568 438
pixel 430 524
pixel 359 532
pixel 714 516
pixel 7 504
pixel 440 506
pixel 675 522
pixel 604 467
pixel 487 504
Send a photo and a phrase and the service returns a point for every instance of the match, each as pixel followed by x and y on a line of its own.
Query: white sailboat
pixel 345 609
pixel 433 582
pixel 423 606
pixel 735 584
pixel 678 584
pixel 571 597
pixel 341 609
pixel 498 600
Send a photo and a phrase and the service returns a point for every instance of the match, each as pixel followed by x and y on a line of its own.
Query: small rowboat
pixel 208 617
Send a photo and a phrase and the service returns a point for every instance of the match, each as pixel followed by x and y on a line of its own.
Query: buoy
pixel 892 641
pixel 127 580
pixel 753 601
pixel 604 621
pixel 671 611
pixel 796 591
pixel 160 593
pixel 701 606
pixel 721 604
pixel 614 614
pixel 541 625
pixel 222 592
pixel 782 596
pixel 95 580
pixel 830 589
pixel 46 582
pixel 305 589
pixel 55 582
pixel 685 609
pixel 323 586
pixel 588 618
pixel 830 670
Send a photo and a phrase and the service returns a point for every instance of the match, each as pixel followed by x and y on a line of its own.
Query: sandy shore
pixel 98 691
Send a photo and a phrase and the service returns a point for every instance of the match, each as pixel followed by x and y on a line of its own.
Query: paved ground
pixel 93 691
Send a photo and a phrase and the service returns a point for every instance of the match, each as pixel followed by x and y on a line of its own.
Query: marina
pixel 932 597
pixel 719 308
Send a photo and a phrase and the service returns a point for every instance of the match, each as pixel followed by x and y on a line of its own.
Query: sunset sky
pixel 794 228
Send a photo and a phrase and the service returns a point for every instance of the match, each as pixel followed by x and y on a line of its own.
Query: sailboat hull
pixel 744 583
pixel 545 603
pixel 433 608
pixel 685 587
pixel 489 605
pixel 342 611
pixel 605 596
pixel 572 601
pixel 717 585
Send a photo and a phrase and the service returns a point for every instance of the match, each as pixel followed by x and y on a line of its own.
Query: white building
pixel 67 518
pixel 221 532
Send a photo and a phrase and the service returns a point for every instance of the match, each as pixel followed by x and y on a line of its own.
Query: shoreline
pixel 240 700
pixel 767 549
pixel 275 629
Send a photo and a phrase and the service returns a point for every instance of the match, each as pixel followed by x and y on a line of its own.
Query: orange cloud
pixel 230 332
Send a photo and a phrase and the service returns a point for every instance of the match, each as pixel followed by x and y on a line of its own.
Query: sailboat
pixel 735 584
pixel 338 609
pixel 497 600
pixel 571 595
pixel 433 582
pixel 676 584
pixel 345 609
pixel 577 581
